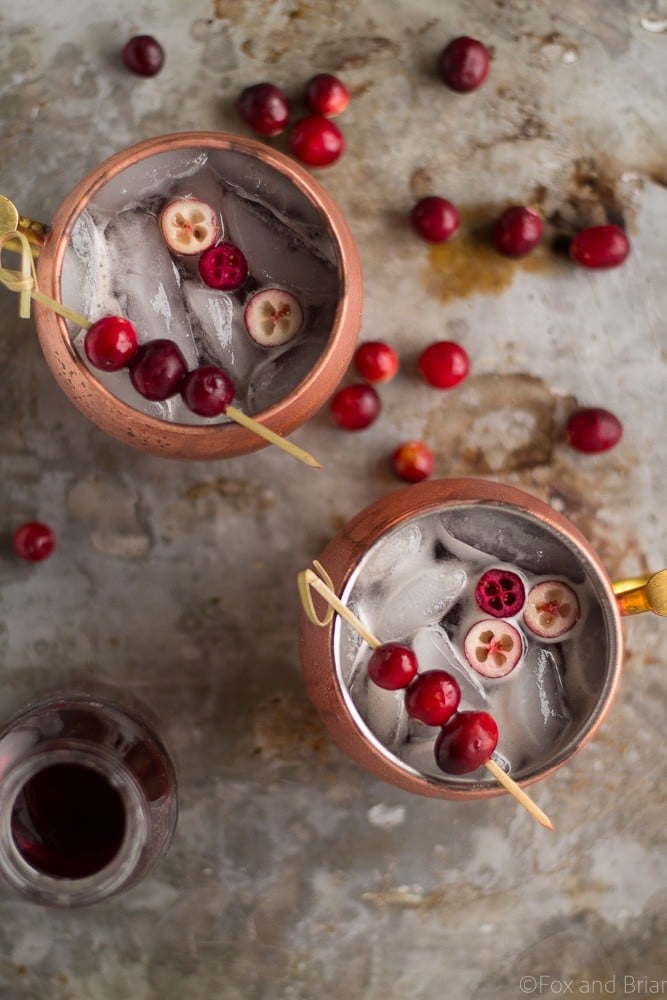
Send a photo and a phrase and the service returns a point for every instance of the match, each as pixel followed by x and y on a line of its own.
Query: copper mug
pixel 146 167
pixel 510 528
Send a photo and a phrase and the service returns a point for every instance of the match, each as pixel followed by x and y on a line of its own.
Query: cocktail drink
pixel 489 585
pixel 227 250
pixel 87 799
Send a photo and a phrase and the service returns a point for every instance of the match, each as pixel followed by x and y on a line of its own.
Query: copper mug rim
pixel 148 433
pixel 341 559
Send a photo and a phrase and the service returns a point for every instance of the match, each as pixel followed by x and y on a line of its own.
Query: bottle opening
pixel 68 821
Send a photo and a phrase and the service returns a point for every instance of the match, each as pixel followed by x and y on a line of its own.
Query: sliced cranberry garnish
pixel 143 55
pixel 355 407
pixel 552 609
pixel 33 541
pixel 493 648
pixel 464 64
pixel 110 343
pixel 500 593
pixel 158 369
pixel 517 231
pixel 223 267
pixel 593 430
pixel 432 697
pixel 444 364
pixel 392 666
pixel 316 141
pixel 264 107
pixel 599 247
pixel 466 742
pixel 412 461
pixel 207 391
pixel 376 361
pixel 435 219
pixel 326 95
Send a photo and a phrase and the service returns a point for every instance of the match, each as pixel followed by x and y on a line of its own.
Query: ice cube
pixel 512 537
pixel 435 651
pixel 421 599
pixel 280 371
pixel 278 255
pixel 382 711
pixel 219 333
pixel 149 280
pixel 531 707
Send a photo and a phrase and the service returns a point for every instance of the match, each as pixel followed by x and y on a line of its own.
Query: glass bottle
pixel 87 799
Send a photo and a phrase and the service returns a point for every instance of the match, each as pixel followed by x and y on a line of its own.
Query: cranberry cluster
pixel 466 739
pixel 314 139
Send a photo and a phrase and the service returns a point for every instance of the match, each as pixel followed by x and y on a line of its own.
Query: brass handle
pixel 11 220
pixel 642 593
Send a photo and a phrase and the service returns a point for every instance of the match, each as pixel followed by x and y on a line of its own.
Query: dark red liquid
pixel 68 821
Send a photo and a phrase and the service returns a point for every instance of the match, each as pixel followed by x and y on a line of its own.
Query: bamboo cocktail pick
pixel 24 282
pixel 323 586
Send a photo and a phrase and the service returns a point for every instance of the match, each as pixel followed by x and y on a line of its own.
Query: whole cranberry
pixel 464 64
pixel 223 266
pixel 444 364
pixel 326 95
pixel 33 541
pixel 316 141
pixel 466 742
pixel 593 430
pixel 207 391
pixel 517 231
pixel 376 361
pixel 110 343
pixel 432 697
pixel 143 55
pixel 435 219
pixel 599 247
pixel 264 108
pixel 157 369
pixel 412 461
pixel 392 666
pixel 355 407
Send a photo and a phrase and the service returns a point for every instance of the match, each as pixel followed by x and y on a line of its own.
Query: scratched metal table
pixel 292 873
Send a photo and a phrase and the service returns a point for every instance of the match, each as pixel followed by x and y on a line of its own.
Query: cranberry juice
pixel 68 821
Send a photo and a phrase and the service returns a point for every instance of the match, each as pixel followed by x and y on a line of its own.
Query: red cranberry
pixel 466 742
pixel 326 95
pixel 223 266
pixel 143 55
pixel 316 141
pixel 600 246
pixel 432 697
pixel 593 430
pixel 464 64
pixel 500 593
pixel 376 361
pixel 412 461
pixel 443 364
pixel 207 391
pixel 33 541
pixel 392 666
pixel 435 219
pixel 355 407
pixel 264 108
pixel 517 231
pixel 110 343
pixel 158 369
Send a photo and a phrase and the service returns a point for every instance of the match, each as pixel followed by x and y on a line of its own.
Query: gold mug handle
pixel 642 593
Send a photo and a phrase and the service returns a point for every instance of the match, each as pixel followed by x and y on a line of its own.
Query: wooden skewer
pixel 254 425
pixel 308 580
pixel 25 283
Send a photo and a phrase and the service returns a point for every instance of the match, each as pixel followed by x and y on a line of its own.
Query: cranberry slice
pixel 500 593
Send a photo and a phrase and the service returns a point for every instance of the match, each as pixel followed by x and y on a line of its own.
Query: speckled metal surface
pixel 293 874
